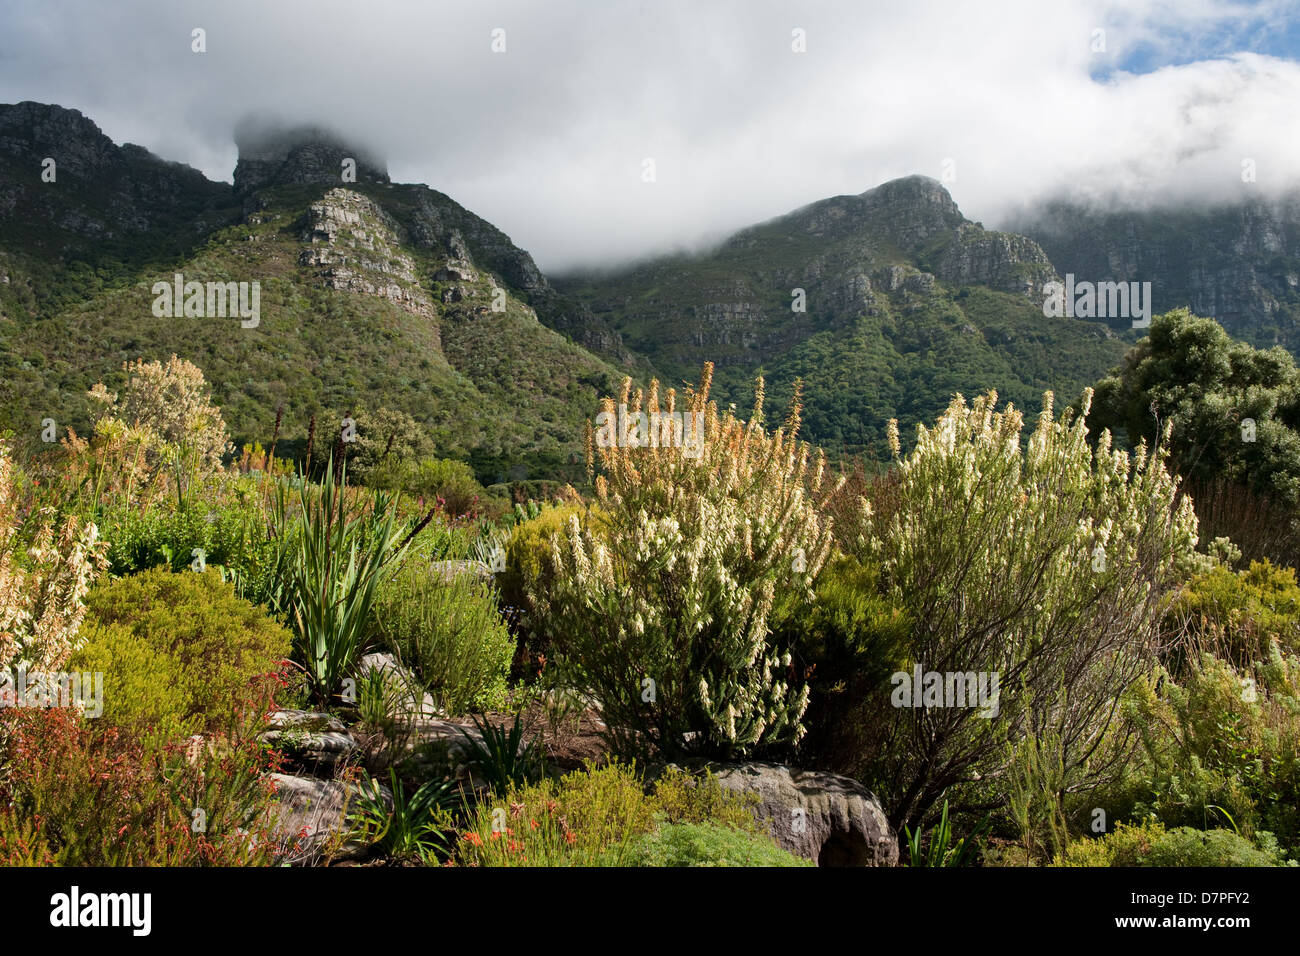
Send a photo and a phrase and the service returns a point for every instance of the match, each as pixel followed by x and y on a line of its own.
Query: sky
pixel 746 109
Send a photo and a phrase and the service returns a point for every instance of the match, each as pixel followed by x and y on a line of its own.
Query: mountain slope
pixel 1238 263
pixel 372 295
pixel 906 302
pixel 108 214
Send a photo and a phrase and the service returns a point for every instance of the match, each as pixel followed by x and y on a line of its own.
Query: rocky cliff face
pixel 354 246
pixel 1237 263
pixel 883 303
pixel 435 222
pixel 999 260
pixel 99 191
pixel 119 207
pixel 373 294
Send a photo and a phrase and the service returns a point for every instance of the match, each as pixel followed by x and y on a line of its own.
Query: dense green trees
pixel 1189 372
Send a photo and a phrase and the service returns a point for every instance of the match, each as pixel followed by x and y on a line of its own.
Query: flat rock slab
pixel 303 720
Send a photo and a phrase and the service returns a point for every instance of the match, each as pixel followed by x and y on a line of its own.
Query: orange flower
pixel 473 838
pixel 532 824
pixel 570 836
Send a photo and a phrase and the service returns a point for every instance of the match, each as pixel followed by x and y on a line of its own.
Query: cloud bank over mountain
pixel 548 134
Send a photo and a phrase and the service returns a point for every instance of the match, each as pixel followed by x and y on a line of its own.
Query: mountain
pixel 77 211
pixel 1237 262
pixel 371 294
pixel 905 302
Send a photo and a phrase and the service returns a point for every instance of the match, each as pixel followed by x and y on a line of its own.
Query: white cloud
pixel 547 139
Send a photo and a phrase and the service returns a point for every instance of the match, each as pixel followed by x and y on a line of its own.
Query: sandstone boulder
pixel 823 817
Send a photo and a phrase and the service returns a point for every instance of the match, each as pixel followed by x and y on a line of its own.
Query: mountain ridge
pixel 885 303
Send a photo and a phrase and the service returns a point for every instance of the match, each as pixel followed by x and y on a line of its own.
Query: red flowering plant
pixel 572 821
pixel 79 791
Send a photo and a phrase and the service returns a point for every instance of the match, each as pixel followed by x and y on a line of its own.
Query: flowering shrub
pixel 83 792
pixel 591 817
pixel 42 599
pixel 169 403
pixel 660 610
pixel 1047 565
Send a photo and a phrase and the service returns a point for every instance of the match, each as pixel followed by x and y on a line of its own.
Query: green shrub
pixel 681 797
pixel 450 481
pixel 703 844
pixel 1150 844
pixel 1224 741
pixel 235 538
pixel 143 687
pixel 529 569
pixel 1043 562
pixel 178 651
pixel 450 632
pixel 590 817
pixel 661 613
pixel 385 438
pixel 848 640
pixel 1237 615
pixel 528 554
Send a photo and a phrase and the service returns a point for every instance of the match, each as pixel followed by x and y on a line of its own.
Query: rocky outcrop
pixel 902 250
pixel 1237 262
pixel 311 742
pixel 903 212
pixel 823 817
pixel 407 699
pixel 472 245
pixel 311 819
pixel 911 210
pixel 356 246
pixel 999 260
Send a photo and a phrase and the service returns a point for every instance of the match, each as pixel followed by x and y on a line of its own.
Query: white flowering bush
pixel 163 423
pixel 1047 563
pixel 660 609
pixel 42 598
